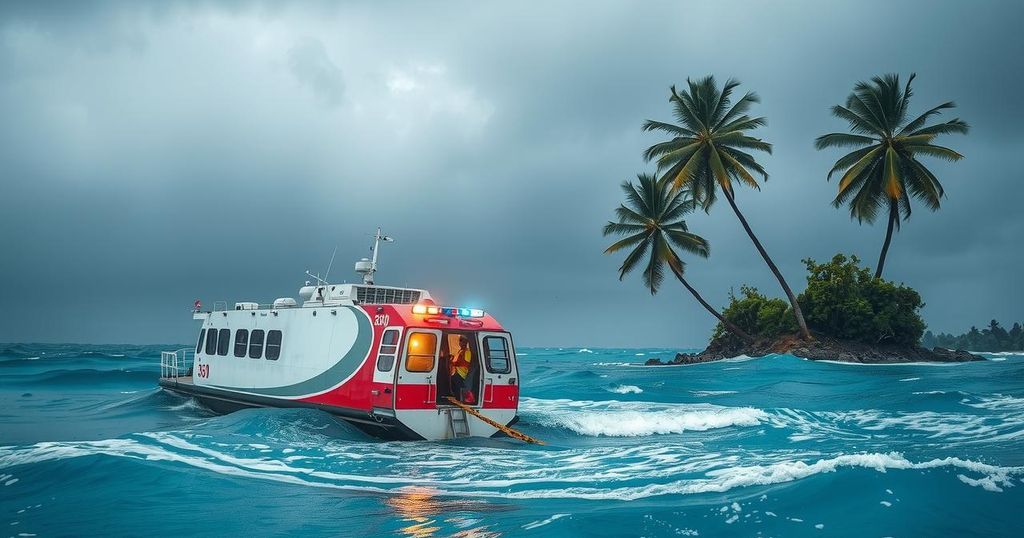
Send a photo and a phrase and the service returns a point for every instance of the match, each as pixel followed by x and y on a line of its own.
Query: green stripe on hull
pixel 341 370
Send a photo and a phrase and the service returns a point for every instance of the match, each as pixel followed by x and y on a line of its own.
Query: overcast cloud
pixel 156 153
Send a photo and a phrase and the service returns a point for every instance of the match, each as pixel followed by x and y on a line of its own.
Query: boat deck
pixel 180 380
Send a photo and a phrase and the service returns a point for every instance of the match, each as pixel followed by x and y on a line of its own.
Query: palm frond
pixel 858 123
pixel 738 110
pixel 626 242
pixel 621 228
pixel 739 171
pixel 840 140
pixel 893 181
pixel 953 126
pixel 627 215
pixel 849 160
pixel 633 259
pixel 740 140
pixel 858 167
pixel 718 169
pixel 748 161
pixel 651 125
pixel 917 122
pixel 934 151
pixel 743 123
pixel 679 155
pixel 653 273
pixel 692 243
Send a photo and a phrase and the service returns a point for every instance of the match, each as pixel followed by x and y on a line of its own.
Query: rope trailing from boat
pixel 508 431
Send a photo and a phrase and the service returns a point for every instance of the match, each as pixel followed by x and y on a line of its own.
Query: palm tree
pixel 651 221
pixel 707 154
pixel 884 171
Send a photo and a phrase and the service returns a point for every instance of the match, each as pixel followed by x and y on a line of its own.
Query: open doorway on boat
pixel 459 368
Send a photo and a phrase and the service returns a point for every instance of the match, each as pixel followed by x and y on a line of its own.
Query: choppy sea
pixel 775 446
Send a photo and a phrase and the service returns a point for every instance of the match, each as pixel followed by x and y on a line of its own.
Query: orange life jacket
pixel 460 363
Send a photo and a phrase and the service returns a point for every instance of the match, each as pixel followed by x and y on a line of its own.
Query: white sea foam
pixel 704 393
pixel 626 389
pixel 911 379
pixel 585 350
pixel 541 523
pixel 997 402
pixel 635 419
pixel 863 424
pixel 845 363
pixel 594 472
pixel 740 358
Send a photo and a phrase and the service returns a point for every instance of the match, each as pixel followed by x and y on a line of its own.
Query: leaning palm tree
pixel 884 171
pixel 651 220
pixel 707 154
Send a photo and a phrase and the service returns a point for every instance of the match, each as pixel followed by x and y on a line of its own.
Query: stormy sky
pixel 154 153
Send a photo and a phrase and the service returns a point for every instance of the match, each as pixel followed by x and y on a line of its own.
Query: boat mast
pixel 377 238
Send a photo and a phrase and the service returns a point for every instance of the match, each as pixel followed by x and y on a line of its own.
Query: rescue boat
pixel 376 356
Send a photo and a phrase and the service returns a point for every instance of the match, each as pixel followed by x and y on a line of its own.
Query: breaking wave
pixel 636 419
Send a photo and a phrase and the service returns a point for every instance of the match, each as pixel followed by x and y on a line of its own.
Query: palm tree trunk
pixel 728 324
pixel 771 265
pixel 894 214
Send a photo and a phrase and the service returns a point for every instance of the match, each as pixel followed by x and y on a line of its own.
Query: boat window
pixel 497 355
pixel 199 344
pixel 273 345
pixel 419 357
pixel 256 344
pixel 241 342
pixel 223 341
pixel 388 349
pixel 211 341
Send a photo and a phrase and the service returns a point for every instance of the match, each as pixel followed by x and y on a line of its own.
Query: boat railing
pixel 175 364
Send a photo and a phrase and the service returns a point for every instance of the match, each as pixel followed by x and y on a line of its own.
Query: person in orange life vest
pixel 458 369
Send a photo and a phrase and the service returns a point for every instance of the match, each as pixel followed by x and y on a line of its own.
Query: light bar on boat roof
pixel 450 311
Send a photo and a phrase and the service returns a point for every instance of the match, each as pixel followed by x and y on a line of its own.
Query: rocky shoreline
pixel 821 348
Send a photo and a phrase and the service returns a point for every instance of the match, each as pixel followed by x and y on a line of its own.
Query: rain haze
pixel 155 153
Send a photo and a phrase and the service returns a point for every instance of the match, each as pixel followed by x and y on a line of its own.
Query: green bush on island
pixel 842 300
pixel 758 315
pixel 846 301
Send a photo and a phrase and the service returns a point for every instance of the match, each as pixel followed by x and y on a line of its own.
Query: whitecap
pixel 584 350
pixel 534 524
pixel 704 393
pixel 846 363
pixel 637 419
pixel 626 389
pixel 911 379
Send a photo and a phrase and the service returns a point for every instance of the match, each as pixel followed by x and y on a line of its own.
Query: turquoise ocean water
pixel 764 447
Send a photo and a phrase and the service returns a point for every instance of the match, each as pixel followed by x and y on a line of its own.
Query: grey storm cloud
pixel 153 153
pixel 312 66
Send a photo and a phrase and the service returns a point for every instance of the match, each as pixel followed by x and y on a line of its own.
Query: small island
pixel 847 312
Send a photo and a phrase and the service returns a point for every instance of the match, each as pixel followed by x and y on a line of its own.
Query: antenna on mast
pixel 368 267
pixel 329 265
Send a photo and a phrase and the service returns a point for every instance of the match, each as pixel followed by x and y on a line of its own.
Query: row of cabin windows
pixel 247 342
pixel 419 356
